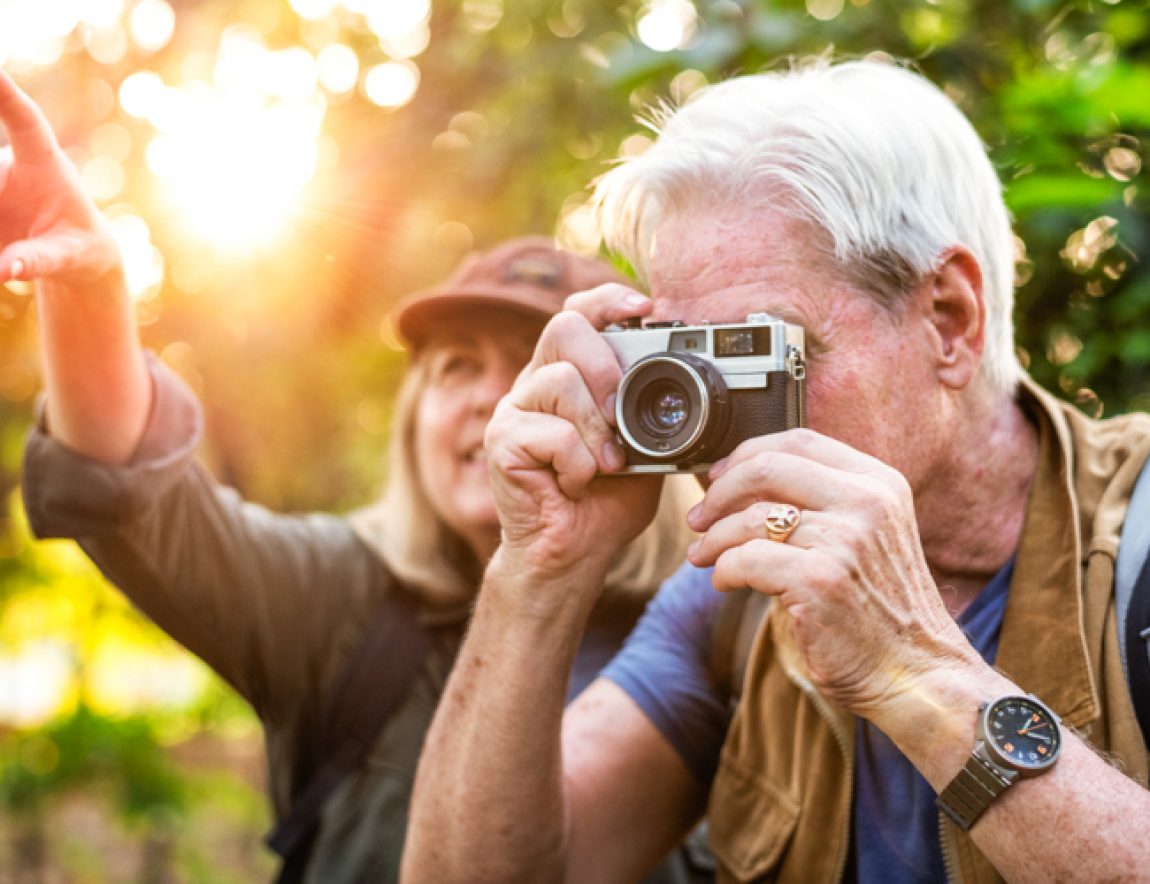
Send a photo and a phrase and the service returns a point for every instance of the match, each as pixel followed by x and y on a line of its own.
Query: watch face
pixel 1023 732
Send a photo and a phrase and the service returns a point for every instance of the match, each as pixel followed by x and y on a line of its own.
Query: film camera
pixel 691 393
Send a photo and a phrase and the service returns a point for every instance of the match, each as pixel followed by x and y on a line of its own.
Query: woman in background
pixel 311 618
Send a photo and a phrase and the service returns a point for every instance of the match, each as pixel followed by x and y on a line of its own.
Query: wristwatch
pixel 1015 737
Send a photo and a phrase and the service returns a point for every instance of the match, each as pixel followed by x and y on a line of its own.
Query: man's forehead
pixel 720 269
pixel 725 305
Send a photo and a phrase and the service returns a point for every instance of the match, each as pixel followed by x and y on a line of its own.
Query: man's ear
pixel 956 313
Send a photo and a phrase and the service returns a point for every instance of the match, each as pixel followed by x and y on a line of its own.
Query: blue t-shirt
pixel 895 835
pixel 665 667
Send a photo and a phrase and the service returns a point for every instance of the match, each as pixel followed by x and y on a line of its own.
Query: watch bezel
pixel 1005 761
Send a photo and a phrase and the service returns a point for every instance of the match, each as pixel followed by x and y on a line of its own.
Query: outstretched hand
pixel 49 227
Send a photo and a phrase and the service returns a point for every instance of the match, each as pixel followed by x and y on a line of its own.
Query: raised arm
pixel 507 790
pixel 51 232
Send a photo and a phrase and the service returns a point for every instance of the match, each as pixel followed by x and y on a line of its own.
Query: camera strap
pixel 733 632
pixel 1132 599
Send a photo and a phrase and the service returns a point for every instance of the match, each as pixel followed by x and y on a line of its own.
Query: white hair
pixel 871 153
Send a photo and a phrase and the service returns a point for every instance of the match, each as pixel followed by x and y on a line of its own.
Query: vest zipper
pixel 844 741
pixel 949 861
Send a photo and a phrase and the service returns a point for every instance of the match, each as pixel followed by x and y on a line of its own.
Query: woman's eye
pixel 458 365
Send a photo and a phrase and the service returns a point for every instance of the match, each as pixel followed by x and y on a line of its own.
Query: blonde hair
pixel 435 562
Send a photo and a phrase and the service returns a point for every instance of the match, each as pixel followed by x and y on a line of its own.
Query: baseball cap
pixel 527 275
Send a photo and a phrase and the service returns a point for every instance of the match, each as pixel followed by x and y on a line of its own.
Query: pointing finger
pixel 28 130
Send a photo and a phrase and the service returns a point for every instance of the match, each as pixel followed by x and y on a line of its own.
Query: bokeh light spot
pixel 312 9
pixel 825 10
pixel 141 93
pixel 393 19
pixel 101 13
pixel 578 231
pixel 391 84
pixel 103 178
pixel 687 83
pixel 338 67
pixel 291 74
pixel 1122 163
pixel 481 16
pixel 667 24
pixel 34 32
pixel 33 681
pixel 152 23
pixel 408 44
pixel 107 45
pixel 143 263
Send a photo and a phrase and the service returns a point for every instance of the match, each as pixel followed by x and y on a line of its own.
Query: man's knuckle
pixel 801 439
pixel 568 437
pixel 567 323
pixel 828 573
pixel 761 470
pixel 858 547
pixel 561 378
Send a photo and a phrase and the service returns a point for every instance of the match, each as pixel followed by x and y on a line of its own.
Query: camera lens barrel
pixel 672 407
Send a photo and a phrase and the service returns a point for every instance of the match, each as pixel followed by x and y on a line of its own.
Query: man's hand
pixel 552 436
pixel 49 227
pixel 867 614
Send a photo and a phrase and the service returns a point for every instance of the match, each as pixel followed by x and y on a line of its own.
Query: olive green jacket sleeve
pixel 269 601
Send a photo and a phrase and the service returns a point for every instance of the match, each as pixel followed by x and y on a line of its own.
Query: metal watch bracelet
pixel 974 789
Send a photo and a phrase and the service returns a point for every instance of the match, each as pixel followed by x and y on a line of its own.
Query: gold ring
pixel 781 521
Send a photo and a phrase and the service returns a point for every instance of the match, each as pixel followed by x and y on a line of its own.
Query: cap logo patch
pixel 536 271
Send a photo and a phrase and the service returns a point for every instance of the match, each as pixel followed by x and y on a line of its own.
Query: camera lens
pixel 671 406
pixel 664 408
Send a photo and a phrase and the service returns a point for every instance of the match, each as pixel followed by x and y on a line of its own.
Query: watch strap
pixel 974 789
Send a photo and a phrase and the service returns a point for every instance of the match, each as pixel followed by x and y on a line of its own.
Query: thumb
pixel 78 254
pixel 24 261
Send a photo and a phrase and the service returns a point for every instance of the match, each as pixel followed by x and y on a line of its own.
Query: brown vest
pixel 780 806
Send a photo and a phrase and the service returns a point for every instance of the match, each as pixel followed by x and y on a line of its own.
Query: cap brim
pixel 417 317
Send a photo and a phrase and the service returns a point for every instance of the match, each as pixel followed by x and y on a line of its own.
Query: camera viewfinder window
pixel 689 342
pixel 731 342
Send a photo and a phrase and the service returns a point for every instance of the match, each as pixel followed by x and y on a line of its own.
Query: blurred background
pixel 280 172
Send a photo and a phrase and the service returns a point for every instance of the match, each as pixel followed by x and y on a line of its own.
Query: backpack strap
pixel 374 683
pixel 1132 599
pixel 736 624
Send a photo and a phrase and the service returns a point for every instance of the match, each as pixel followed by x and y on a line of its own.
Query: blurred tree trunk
pixel 29 850
pixel 158 853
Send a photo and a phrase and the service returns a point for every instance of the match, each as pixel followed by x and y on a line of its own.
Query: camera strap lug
pixel 796 367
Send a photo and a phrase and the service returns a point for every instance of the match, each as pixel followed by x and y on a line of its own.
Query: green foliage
pixel 87 749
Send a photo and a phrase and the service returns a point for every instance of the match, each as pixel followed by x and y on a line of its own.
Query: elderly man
pixel 949 581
